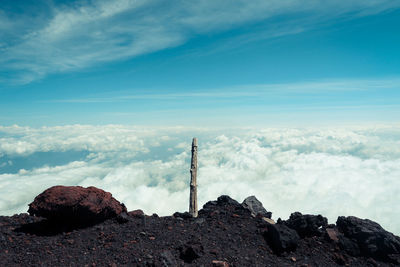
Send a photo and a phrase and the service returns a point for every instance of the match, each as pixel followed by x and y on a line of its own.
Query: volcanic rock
pixel 224 199
pixel 223 205
pixel 136 213
pixel 281 238
pixel 255 206
pixel 268 220
pixel 168 259
pixel 306 225
pixel 332 234
pixel 349 246
pixel 372 240
pixel 76 204
pixel 226 235
pixel 216 263
pixel 123 217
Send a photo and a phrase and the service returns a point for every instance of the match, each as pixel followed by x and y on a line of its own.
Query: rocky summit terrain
pixel 88 227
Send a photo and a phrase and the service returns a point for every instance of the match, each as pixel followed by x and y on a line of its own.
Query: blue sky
pixel 220 64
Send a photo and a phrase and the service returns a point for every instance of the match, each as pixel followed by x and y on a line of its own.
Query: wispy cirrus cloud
pixel 84 33
pixel 348 86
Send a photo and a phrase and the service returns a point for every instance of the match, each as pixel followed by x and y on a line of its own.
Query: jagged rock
pixel 255 207
pixel 221 201
pixel 371 239
pixel 223 205
pixel 306 225
pixel 75 204
pixel 183 215
pixel 281 238
pixel 224 199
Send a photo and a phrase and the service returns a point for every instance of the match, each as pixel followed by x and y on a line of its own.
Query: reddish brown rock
pixel 76 204
pixel 216 263
pixel 136 213
pixel 332 234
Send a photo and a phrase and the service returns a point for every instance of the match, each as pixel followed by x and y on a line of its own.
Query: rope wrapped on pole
pixel 193 180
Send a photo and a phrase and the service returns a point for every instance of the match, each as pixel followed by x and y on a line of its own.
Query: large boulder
pixel 307 225
pixel 76 204
pixel 371 239
pixel 223 205
pixel 281 238
pixel 255 207
pixel 226 200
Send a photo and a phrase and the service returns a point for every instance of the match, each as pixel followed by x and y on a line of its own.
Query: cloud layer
pixel 51 38
pixel 333 171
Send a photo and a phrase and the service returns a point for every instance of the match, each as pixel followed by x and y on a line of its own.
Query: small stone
pixel 168 259
pixel 268 220
pixel 199 221
pixel 372 262
pixel 333 235
pixel 217 263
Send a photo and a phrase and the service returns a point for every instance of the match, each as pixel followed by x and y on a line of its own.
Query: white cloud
pixel 86 33
pixel 333 171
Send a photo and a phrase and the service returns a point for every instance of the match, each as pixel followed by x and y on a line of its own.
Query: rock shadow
pixel 47 227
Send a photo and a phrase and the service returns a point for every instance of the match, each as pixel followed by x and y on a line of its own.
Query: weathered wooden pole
pixel 193 180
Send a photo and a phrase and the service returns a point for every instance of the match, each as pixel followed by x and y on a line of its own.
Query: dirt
pixel 224 236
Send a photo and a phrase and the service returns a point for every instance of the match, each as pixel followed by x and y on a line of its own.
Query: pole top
pixel 194 142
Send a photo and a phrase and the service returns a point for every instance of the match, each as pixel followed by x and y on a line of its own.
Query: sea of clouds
pixel 332 171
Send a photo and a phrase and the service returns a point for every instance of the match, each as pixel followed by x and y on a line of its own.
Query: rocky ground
pixel 226 233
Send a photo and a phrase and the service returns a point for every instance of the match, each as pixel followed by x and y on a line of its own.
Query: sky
pixel 296 102
pixel 210 63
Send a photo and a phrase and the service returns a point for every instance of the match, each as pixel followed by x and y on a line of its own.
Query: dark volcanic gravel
pixel 225 232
